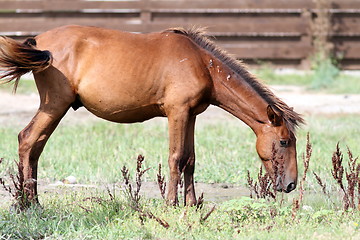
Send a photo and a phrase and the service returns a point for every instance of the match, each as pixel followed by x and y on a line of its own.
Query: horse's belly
pixel 127 115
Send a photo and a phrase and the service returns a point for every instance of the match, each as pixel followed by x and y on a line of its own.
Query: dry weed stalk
pixel 18 191
pixel 306 162
pixel 263 188
pixel 278 169
pixel 161 182
pixel 352 177
pixel 200 202
pixel 322 184
pixel 152 216
pixel 338 173
pixel 134 196
pixel 207 215
pixel 266 187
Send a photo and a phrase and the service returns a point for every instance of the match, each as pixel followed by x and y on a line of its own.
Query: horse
pixel 129 77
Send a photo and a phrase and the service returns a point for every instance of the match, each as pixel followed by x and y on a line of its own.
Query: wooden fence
pixel 277 31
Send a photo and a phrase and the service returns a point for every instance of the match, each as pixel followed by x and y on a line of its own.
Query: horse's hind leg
pixel 32 140
pixel 55 99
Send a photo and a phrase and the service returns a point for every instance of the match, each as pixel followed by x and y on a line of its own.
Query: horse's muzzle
pixel 290 186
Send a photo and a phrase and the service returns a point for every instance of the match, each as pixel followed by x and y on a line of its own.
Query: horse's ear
pixel 275 119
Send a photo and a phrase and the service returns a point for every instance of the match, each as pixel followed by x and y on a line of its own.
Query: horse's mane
pixel 198 35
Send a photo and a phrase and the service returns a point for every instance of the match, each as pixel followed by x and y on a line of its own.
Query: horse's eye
pixel 284 143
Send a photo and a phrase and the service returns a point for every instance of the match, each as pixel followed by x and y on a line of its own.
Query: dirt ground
pixel 17 110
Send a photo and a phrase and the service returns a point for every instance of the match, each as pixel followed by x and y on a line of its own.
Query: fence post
pixel 145 16
pixel 306 37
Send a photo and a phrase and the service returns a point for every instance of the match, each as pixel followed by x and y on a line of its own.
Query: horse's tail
pixel 16 59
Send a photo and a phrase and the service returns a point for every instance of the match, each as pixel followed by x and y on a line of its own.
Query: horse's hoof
pixel 173 203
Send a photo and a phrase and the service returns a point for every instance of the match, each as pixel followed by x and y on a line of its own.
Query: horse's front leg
pixel 178 151
pixel 32 140
pixel 188 166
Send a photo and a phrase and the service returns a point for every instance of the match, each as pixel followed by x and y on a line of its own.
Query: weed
pixel 200 202
pixel 278 169
pixel 322 184
pixel 267 184
pixel 263 188
pixel 161 182
pixel 306 162
pixel 207 215
pixel 351 195
pixel 17 191
pixel 352 177
pixel 133 195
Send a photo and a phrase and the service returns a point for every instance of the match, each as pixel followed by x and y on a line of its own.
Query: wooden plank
pixel 263 52
pixel 345 4
pixel 249 4
pixel 63 5
pixel 13 5
pixel 350 64
pixel 161 5
pixel 69 5
pixel 44 23
pixel 238 27
pixel 346 24
pixel 233 4
pixel 349 51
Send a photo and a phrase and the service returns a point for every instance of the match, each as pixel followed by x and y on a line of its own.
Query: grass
pixel 242 218
pixel 95 152
pixel 100 215
pixel 342 84
pixel 26 86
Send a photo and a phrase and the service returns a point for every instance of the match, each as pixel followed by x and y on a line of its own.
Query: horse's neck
pixel 233 94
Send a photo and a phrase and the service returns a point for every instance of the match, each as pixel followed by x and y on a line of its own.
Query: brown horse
pixel 126 78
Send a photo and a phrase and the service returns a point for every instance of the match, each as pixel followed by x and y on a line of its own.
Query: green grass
pixel 78 216
pixel 342 84
pixel 96 152
pixel 26 86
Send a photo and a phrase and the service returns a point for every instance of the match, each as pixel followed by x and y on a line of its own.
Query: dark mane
pixel 198 35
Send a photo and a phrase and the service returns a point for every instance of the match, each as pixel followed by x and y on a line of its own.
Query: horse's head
pixel 276 146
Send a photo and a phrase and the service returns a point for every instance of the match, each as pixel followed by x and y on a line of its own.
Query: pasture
pixel 96 151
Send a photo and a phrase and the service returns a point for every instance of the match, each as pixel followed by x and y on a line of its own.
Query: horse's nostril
pixel 290 187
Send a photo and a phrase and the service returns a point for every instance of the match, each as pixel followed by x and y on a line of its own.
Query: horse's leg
pixel 178 126
pixel 189 167
pixel 32 140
